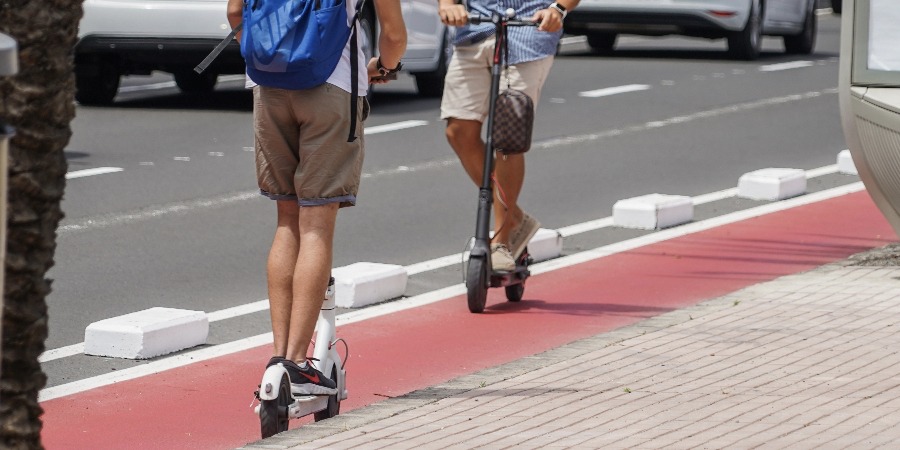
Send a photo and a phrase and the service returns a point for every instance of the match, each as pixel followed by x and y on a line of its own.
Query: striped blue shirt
pixel 525 43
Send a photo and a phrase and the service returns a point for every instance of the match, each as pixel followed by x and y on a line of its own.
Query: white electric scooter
pixel 276 403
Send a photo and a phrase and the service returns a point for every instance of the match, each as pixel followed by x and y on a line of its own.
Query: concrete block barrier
pixel 845 163
pixel 365 283
pixel 772 184
pixel 146 334
pixel 546 244
pixel 653 211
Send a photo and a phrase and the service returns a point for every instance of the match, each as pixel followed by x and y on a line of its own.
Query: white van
pixel 131 37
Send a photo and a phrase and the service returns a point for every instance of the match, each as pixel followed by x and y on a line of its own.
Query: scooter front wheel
pixel 334 401
pixel 477 284
pixel 273 414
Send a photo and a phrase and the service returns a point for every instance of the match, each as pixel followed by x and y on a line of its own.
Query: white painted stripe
pixel 614 90
pixel 236 311
pixel 92 172
pixel 62 352
pixel 437 263
pixel 147 87
pixel 395 126
pixel 216 351
pixel 785 66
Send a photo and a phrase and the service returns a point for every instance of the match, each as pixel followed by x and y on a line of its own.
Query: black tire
pixel 96 83
pixel 334 401
pixel 431 84
pixel 515 292
pixel 477 284
pixel 191 82
pixel 746 44
pixel 273 414
pixel 602 43
pixel 803 43
pixel 837 6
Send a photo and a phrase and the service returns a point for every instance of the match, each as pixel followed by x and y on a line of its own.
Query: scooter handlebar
pixel 496 18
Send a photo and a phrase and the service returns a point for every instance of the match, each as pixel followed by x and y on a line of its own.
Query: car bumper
pixel 158 18
pixel 657 17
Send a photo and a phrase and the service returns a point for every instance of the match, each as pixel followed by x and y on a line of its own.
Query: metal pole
pixel 9 65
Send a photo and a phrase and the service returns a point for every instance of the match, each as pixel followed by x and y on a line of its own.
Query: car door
pixel 425 34
pixel 869 90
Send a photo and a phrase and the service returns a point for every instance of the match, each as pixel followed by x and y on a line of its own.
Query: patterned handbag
pixel 513 115
pixel 513 122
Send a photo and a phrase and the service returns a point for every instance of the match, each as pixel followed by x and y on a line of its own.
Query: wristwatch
pixel 560 8
pixel 384 71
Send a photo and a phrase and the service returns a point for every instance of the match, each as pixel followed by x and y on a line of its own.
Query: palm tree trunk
pixel 39 103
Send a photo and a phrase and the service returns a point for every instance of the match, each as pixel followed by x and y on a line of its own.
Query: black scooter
pixel 477 268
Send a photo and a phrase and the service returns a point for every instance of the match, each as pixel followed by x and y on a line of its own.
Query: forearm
pixel 234 13
pixel 392 39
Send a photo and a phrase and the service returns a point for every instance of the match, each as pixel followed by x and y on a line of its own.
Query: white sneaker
pixel 501 259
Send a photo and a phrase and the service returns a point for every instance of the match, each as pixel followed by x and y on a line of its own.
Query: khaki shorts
pixel 302 152
pixel 467 85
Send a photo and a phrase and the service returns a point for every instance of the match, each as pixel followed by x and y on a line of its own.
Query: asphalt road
pixel 181 224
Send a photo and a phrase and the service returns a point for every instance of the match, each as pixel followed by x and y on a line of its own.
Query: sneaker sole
pixel 312 389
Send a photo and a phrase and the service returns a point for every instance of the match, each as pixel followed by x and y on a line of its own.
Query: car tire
pixel 746 44
pixel 431 84
pixel 96 83
pixel 602 43
pixel 803 43
pixel 191 82
pixel 837 6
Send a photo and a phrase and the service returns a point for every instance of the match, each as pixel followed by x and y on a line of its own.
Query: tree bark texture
pixel 38 103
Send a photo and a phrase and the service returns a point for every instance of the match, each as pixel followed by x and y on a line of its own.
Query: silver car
pixel 132 37
pixel 742 22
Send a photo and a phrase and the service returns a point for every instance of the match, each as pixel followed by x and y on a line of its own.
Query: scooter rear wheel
pixel 334 401
pixel 273 414
pixel 515 292
pixel 477 284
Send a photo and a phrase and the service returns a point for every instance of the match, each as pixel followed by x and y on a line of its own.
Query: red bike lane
pixel 207 405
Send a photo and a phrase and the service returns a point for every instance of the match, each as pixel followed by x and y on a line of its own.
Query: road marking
pixel 437 263
pixel 785 66
pixel 92 172
pixel 395 126
pixel 106 220
pixel 383 309
pixel 614 90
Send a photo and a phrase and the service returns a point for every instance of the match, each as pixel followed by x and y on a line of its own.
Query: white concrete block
pixel 652 211
pixel 146 334
pixel 845 163
pixel 546 244
pixel 365 283
pixel 772 184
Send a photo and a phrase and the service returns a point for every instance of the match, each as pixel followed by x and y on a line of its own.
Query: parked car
pixel 742 22
pixel 132 37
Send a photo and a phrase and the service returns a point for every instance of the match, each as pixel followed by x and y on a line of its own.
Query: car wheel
pixel 602 43
pixel 803 43
pixel 746 44
pixel 96 83
pixel 431 84
pixel 837 6
pixel 195 83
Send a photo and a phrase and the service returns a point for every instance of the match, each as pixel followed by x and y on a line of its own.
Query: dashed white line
pixel 396 126
pixel 92 172
pixel 614 90
pixel 785 66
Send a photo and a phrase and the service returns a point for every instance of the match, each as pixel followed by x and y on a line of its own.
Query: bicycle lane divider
pixel 208 404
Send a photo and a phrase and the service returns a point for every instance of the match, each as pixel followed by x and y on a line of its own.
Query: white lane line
pixel 147 87
pixel 614 90
pixel 216 351
pixel 92 172
pixel 785 66
pixel 437 263
pixel 395 126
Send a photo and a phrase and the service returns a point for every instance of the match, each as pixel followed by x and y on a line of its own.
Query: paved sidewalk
pixel 806 361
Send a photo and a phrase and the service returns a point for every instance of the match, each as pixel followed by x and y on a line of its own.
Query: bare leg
pixel 464 137
pixel 280 269
pixel 311 274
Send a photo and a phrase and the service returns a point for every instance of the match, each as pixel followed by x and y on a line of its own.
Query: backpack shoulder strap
pixel 354 70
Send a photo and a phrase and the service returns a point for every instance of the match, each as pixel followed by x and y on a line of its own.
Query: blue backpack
pixel 296 44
